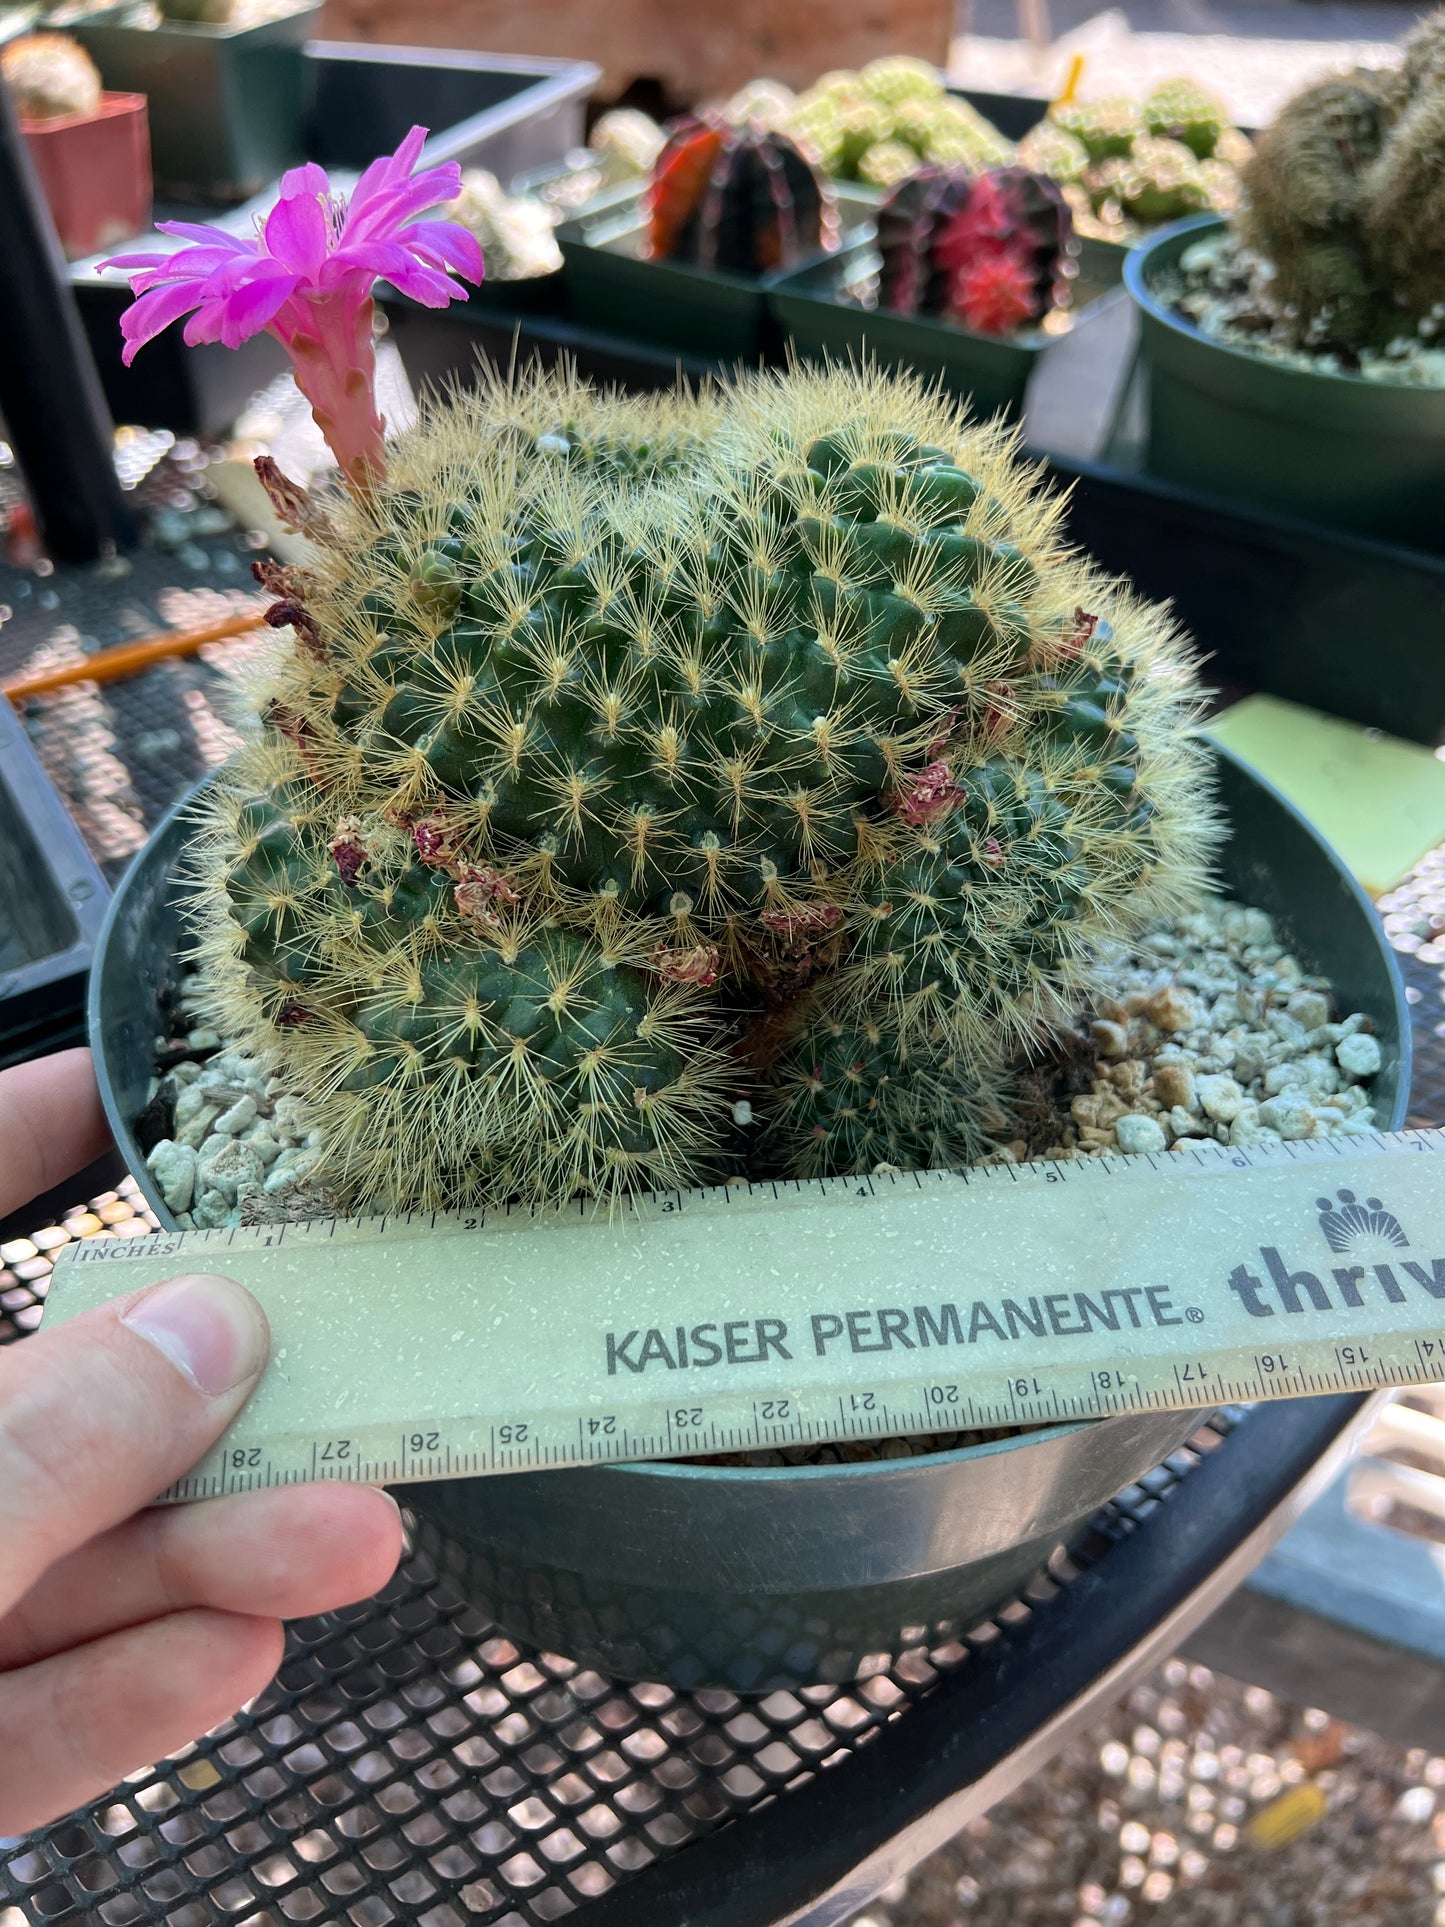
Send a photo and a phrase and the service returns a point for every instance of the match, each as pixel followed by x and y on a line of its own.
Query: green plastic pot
pixel 226 103
pixel 757 1580
pixel 1336 449
pixel 821 323
pixel 613 287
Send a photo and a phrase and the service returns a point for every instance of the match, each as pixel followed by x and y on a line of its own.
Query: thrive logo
pixel 1351 1229
pixel 1350 1224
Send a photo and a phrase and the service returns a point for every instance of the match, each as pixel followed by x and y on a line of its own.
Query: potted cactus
pixel 683 266
pixel 967 279
pixel 1293 355
pixel 226 84
pixel 648 791
pixel 89 148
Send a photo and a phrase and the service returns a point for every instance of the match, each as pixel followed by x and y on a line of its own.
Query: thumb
pixel 99 1416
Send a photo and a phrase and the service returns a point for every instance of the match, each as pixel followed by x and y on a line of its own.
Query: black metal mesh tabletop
pixel 411 1763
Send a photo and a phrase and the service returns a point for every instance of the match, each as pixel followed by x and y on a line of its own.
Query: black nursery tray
pixel 503 112
pixel 52 903
pixel 1334 621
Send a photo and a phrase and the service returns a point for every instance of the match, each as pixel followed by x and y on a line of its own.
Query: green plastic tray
pixel 994 372
pixel 612 286
pixel 1333 449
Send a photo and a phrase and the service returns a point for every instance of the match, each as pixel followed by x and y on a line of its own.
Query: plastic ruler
pixel 429 1346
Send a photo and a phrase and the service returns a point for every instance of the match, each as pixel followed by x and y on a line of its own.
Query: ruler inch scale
pixel 433 1345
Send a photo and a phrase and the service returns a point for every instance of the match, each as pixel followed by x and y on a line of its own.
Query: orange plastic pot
pixel 95 172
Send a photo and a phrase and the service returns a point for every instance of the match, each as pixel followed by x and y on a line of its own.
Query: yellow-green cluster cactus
pixel 880 123
pixel 1127 165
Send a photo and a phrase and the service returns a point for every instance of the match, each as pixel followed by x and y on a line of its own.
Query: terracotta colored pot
pixel 95 170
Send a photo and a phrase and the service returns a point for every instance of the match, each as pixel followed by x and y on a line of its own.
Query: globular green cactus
pixel 1182 110
pixel 1104 128
pixel 1047 149
pixel 1159 180
pixel 1344 199
pixel 845 119
pixel 50 76
pixel 659 790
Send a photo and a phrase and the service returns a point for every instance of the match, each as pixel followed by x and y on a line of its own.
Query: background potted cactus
pixel 683 266
pixel 225 82
pixel 89 148
pixel 648 791
pixel 967 279
pixel 1294 356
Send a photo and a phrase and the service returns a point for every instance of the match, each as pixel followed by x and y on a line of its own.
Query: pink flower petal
pixel 147 316
pixel 448 241
pixel 249 309
pixel 306 180
pixel 209 236
pixel 297 234
pixel 137 262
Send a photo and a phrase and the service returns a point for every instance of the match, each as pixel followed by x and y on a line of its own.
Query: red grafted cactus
pixel 994 252
pixel 744 200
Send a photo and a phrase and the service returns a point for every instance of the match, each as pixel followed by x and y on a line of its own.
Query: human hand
pixel 126 1632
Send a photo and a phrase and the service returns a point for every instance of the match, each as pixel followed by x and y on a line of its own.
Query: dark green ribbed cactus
pixel 1344 200
pixel 659 790
pixel 742 199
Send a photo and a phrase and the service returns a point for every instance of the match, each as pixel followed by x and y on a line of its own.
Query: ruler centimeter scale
pixel 438 1345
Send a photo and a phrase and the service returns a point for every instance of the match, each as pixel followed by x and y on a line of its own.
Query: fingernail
pixel 209 1328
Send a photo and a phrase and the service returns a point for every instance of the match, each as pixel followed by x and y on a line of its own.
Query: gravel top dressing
pixel 1225 292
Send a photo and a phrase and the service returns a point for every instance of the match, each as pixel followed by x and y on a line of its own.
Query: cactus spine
pixel 642 767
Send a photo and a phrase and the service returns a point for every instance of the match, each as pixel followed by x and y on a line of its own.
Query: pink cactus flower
pixel 306 277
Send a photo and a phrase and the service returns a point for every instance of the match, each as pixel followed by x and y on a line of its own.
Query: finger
pixel 51 1123
pixel 99 1416
pixel 278 1555
pixel 72 1727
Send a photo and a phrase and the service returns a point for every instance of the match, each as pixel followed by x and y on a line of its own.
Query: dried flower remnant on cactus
pixel 668 759
pixel 306 277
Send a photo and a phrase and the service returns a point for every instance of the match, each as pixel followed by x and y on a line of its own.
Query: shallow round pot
pixel 755 1580
pixel 1335 448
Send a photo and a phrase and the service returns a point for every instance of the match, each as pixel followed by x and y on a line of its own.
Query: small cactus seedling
pixel 50 76
pixel 742 200
pixel 1104 128
pixel 642 767
pixel 1160 180
pixel 1181 110
pixel 855 124
pixel 995 252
